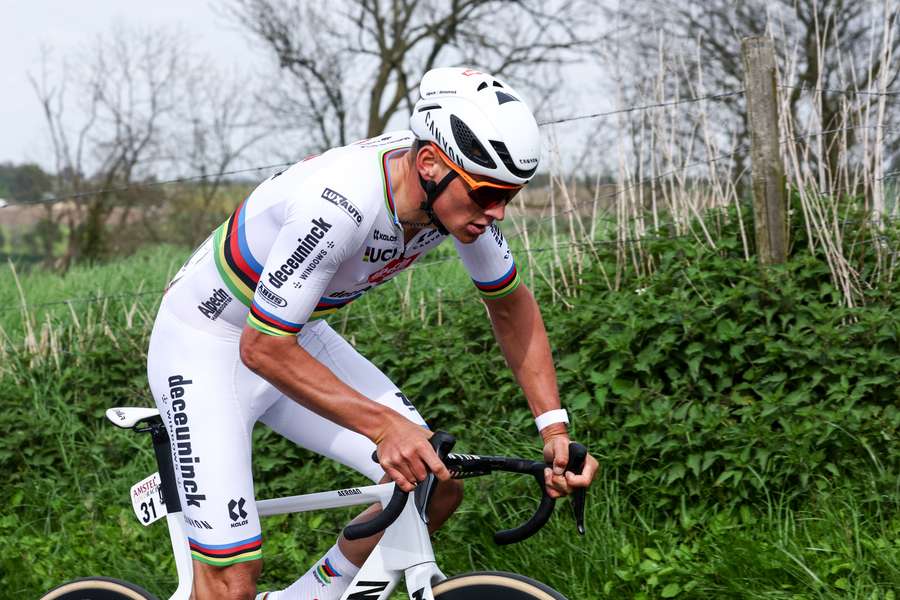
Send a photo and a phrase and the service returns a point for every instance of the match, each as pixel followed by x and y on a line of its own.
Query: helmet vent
pixel 507 160
pixel 481 86
pixel 429 107
pixel 503 98
pixel 498 84
pixel 469 144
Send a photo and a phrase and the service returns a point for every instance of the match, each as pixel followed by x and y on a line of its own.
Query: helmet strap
pixel 432 191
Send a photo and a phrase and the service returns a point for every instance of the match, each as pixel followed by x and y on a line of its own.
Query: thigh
pixel 193 376
pixel 309 430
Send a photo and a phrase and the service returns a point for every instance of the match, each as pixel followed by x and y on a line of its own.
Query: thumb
pixel 560 457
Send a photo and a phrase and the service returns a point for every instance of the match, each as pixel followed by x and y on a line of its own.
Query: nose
pixel 496 212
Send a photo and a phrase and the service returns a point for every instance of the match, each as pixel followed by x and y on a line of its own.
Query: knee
pixel 447 498
pixel 451 493
pixel 234 590
pixel 234 582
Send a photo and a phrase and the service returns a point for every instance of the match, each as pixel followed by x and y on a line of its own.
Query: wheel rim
pixel 526 589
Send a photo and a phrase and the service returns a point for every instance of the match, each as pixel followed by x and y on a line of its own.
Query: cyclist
pixel 239 339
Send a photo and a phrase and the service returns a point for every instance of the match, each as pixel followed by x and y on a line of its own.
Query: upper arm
pixel 490 264
pixel 314 240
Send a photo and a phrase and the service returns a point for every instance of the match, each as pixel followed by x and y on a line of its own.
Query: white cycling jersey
pixel 315 237
pixel 306 242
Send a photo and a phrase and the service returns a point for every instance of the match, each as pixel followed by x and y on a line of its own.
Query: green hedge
pixel 719 401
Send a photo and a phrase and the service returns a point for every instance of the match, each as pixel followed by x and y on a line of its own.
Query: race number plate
pixel 147 500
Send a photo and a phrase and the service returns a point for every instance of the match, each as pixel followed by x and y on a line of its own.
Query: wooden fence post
pixel 769 194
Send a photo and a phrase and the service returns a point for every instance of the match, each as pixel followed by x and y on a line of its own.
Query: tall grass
pixel 68 472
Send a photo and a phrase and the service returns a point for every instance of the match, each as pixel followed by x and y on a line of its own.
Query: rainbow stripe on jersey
pixel 240 271
pixel 222 555
pixel 236 264
pixel 386 181
pixel 501 286
pixel 326 306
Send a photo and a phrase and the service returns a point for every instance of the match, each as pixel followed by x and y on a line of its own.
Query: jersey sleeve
pixel 490 263
pixel 319 231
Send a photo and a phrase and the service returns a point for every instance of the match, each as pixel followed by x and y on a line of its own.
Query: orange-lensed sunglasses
pixel 486 193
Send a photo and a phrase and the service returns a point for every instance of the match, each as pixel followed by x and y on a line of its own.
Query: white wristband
pixel 550 417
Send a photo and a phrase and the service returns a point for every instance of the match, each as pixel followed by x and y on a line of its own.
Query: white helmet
pixel 479 122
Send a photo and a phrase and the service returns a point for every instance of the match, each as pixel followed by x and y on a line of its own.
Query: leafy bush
pixel 746 424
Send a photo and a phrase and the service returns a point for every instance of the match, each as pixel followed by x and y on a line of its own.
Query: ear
pixel 428 164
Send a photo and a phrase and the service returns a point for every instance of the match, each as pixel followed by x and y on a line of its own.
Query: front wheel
pixel 493 585
pixel 98 588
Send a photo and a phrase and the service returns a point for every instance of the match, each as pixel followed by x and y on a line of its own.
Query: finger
pixel 418 469
pixel 434 464
pixel 556 484
pixel 400 479
pixel 577 481
pixel 561 485
pixel 584 479
pixel 401 466
pixel 548 483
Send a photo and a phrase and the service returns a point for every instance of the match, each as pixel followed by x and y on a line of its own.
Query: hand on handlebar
pixel 558 481
pixel 406 455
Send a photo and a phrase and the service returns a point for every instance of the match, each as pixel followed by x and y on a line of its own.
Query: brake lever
pixel 577 457
pixel 443 443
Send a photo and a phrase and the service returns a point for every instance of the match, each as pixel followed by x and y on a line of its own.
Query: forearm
pixel 520 331
pixel 299 376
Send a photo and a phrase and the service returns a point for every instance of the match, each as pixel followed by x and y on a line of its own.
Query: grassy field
pixel 654 382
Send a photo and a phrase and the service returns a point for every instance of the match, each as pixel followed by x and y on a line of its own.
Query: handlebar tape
pixel 442 443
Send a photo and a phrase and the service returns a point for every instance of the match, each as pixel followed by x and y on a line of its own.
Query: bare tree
pixel 359 61
pixel 145 107
pixel 691 47
pixel 219 125
pixel 127 87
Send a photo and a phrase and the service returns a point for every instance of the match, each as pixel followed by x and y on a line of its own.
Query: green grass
pixel 39 296
pixel 649 535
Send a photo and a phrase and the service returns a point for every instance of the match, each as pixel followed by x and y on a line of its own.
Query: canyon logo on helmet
pixel 480 123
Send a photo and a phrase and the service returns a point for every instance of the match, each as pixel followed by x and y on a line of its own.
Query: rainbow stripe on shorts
pixel 222 555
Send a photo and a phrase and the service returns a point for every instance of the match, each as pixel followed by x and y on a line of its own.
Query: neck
pixel 408 195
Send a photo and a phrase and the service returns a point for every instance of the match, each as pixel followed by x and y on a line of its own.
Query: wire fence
pixel 135 186
pixel 189 178
pixel 846 92
pixel 417 266
pixel 630 109
pixel 576 206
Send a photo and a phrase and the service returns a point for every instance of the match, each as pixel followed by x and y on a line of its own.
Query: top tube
pixel 331 499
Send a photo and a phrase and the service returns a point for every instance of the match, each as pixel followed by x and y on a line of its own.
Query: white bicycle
pixel 403 551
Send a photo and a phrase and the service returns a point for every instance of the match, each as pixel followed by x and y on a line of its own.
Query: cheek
pixel 455 207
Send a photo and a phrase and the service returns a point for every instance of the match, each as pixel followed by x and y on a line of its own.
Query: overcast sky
pixel 62 26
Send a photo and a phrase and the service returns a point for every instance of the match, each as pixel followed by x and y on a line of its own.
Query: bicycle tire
pixel 493 585
pixel 98 588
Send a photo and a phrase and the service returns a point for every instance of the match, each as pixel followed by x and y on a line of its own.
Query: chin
pixel 464 236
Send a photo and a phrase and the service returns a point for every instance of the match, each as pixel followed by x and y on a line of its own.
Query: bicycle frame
pixel 403 551
pixel 405 546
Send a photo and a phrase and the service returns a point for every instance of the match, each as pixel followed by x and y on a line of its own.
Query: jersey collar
pixel 386 181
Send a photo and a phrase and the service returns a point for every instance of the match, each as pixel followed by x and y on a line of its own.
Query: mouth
pixel 475 228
